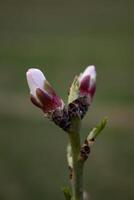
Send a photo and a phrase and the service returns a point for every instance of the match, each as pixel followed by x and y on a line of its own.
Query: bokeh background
pixel 62 38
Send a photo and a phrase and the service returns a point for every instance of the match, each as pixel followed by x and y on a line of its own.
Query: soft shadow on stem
pixel 77 165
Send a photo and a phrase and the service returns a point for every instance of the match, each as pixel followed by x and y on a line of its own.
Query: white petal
pixel 35 79
pixel 89 71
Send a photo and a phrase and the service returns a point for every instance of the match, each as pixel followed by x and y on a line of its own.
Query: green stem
pixel 77 165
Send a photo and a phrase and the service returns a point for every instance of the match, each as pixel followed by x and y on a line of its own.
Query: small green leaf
pixel 67 193
pixel 97 130
pixel 74 90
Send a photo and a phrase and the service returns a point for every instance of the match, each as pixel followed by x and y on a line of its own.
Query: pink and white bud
pixel 82 90
pixel 41 92
pixel 87 82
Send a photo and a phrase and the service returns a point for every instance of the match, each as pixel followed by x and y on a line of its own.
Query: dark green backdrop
pixel 62 38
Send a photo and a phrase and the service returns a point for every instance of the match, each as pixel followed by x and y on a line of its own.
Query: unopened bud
pixel 84 88
pixel 41 92
pixel 87 82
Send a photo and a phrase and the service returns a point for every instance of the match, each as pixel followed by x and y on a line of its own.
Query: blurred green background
pixel 62 38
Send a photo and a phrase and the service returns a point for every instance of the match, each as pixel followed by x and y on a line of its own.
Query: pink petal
pixel 89 71
pixel 35 79
pixel 49 103
pixel 85 84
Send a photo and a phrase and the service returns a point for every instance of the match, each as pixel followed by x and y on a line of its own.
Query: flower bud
pixel 41 92
pixel 87 82
pixel 82 91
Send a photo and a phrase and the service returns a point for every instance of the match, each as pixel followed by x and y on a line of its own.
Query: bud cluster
pixel 43 96
pixel 63 117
